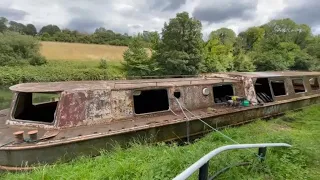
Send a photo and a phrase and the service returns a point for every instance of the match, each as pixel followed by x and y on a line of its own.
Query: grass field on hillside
pixel 301 161
pixel 78 51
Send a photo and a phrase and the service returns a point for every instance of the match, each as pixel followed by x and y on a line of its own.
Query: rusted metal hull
pixel 19 158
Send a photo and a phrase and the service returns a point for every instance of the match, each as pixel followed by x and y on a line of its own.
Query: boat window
pixel 314 83
pixel 222 93
pixel 148 101
pixel 177 94
pixel 263 91
pixel 278 88
pixel 40 107
pixel 298 85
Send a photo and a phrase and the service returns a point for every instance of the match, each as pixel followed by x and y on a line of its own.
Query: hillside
pixel 78 51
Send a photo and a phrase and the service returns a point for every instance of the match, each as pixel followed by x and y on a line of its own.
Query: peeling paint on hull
pixel 17 158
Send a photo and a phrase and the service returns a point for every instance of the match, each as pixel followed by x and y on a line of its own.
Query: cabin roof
pixel 274 74
pixel 116 84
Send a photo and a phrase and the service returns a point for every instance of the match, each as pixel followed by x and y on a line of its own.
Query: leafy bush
pixel 103 64
pixel 17 49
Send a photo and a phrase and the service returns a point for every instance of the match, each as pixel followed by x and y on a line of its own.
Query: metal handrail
pixel 203 162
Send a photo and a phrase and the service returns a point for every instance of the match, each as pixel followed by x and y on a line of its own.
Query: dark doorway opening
pixel 263 91
pixel 278 88
pixel 222 93
pixel 149 101
pixel 298 85
pixel 40 107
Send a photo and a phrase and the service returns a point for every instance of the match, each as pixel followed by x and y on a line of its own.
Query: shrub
pixel 17 49
pixel 103 64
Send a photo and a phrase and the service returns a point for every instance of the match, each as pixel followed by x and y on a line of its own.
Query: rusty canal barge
pixel 85 117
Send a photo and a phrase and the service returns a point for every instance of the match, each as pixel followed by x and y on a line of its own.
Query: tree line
pixel 180 50
pixel 53 33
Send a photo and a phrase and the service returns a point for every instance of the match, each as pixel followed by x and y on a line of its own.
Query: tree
pixel 180 49
pixel 136 60
pixel 288 31
pixel 17 27
pixel 50 29
pixel 225 36
pixel 218 50
pixel 30 30
pixel 17 49
pixel 3 24
pixel 243 63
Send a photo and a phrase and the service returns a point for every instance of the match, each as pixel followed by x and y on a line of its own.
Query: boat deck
pixel 115 127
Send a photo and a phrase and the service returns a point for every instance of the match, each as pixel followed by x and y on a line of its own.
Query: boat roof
pixel 48 87
pixel 274 74
pixel 209 78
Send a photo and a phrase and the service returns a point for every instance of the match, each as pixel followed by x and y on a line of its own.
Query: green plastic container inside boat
pixel 246 103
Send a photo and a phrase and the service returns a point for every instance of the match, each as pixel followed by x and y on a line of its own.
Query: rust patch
pixel 72 108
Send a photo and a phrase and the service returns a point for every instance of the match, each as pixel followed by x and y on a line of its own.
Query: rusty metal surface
pixel 76 141
pixel 271 73
pixel 119 84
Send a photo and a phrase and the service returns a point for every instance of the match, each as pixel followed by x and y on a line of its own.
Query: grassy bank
pixel 302 161
pixel 60 71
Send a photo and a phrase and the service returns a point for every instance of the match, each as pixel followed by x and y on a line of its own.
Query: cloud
pixel 218 11
pixel 166 5
pixel 128 16
pixel 12 14
pixel 306 12
pixel 84 25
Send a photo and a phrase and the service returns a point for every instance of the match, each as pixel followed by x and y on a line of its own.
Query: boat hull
pixel 19 158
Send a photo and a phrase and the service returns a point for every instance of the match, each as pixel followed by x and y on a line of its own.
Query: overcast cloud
pixel 132 16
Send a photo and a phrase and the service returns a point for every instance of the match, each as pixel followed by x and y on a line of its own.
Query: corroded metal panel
pixel 191 97
pixel 98 106
pixel 72 108
pixel 122 104
pixel 249 90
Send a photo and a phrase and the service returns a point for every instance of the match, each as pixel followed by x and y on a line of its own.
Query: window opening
pixel 298 85
pixel 148 101
pixel 278 88
pixel 314 83
pixel 177 94
pixel 222 93
pixel 40 107
pixel 263 91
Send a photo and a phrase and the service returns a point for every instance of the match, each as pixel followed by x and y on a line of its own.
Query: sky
pixel 132 16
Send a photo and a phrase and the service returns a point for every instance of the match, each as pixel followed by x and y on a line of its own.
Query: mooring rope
pixel 187 122
pixel 216 130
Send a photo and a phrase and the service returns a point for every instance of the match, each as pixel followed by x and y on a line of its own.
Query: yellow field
pixel 78 51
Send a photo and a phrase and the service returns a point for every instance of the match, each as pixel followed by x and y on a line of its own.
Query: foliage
pixel 17 49
pixel 180 48
pixel 50 29
pixel 243 63
pixel 103 64
pixel 60 71
pixel 218 51
pixel 136 60
pixel 163 161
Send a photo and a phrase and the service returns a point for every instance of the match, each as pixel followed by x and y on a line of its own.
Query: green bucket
pixel 246 103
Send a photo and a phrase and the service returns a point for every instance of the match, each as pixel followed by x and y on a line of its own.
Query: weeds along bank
pixel 61 71
pixel 161 161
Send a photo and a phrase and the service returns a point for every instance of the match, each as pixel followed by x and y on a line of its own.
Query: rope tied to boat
pixel 214 129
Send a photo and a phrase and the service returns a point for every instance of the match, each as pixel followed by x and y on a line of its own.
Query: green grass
pixel 60 71
pixel 5 97
pixel 161 161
